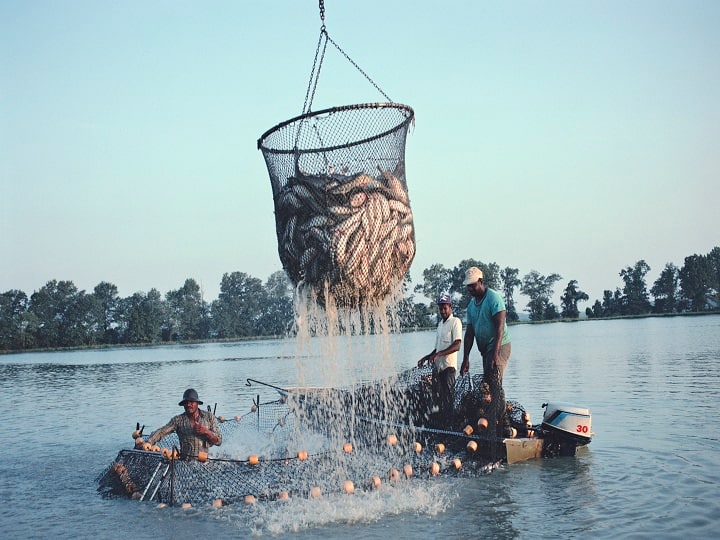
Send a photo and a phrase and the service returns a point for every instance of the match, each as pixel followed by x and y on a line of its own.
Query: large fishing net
pixel 342 212
pixel 312 442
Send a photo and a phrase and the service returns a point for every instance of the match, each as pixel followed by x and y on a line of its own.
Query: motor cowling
pixel 568 421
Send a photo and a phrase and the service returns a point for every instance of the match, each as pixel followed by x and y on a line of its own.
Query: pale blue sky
pixel 568 137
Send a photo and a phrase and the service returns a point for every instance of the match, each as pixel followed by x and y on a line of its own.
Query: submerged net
pixel 315 441
pixel 342 213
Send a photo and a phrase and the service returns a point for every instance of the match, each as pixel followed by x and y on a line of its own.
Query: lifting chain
pixel 315 72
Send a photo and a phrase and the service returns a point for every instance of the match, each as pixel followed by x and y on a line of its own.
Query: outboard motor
pixel 566 427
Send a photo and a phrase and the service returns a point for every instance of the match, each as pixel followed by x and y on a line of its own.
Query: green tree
pixel 570 298
pixel 510 281
pixel 106 304
pixel 63 315
pixel 696 281
pixel 713 259
pixel 539 288
pixel 610 307
pixel 436 280
pixel 276 315
pixel 13 307
pixel 188 312
pixel 665 290
pixel 635 295
pixel 142 317
pixel 595 312
pixel 237 310
pixel 411 315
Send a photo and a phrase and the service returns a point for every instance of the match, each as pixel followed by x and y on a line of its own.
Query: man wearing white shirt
pixel 443 357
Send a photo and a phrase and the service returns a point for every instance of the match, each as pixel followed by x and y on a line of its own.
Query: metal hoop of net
pixel 342 211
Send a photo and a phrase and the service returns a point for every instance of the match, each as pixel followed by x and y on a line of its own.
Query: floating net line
pixel 343 220
pixel 311 442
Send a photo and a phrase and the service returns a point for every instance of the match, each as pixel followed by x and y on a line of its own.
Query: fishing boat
pixel 321 440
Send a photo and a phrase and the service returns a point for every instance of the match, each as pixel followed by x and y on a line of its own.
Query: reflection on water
pixel 653 386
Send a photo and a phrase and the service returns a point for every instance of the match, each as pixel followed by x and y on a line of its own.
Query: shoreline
pixel 403 330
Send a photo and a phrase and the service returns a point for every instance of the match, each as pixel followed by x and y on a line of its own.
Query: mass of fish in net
pixel 351 237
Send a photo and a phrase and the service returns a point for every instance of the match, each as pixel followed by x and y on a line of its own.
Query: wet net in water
pixel 312 442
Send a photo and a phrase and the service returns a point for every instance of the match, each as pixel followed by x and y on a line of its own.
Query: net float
pixel 408 470
pixel 238 418
pixel 468 430
pixel 253 460
pixel 302 455
pixel 347 448
pixel 472 446
pixel 139 441
pixel 161 505
pixel 376 482
pixel 185 506
pixel 202 457
pixel 165 453
pixel 147 446
pixel 283 496
pixel 457 463
pixel 315 492
pixel 439 448
pixel 217 503
pixel 249 499
pixel 482 423
pixel 394 475
pixel 417 447
pixel 253 408
pixel 392 440
pixel 349 487
pixel 221 419
pixel 155 448
pixel 434 468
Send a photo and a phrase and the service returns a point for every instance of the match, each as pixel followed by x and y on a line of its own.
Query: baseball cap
pixel 472 275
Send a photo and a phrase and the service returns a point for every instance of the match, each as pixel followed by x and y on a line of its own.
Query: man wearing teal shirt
pixel 486 326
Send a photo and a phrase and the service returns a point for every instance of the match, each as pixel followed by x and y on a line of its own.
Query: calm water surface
pixel 652 385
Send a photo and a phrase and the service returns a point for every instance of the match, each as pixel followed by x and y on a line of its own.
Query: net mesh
pixel 342 212
pixel 316 441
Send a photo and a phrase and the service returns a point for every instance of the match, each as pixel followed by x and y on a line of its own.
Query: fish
pixel 350 235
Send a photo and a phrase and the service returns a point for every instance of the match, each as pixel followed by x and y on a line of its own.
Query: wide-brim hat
pixel 190 395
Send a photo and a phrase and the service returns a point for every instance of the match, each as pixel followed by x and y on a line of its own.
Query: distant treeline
pixel 60 315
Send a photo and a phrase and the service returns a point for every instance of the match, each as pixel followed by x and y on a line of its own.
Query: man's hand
pixel 465 367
